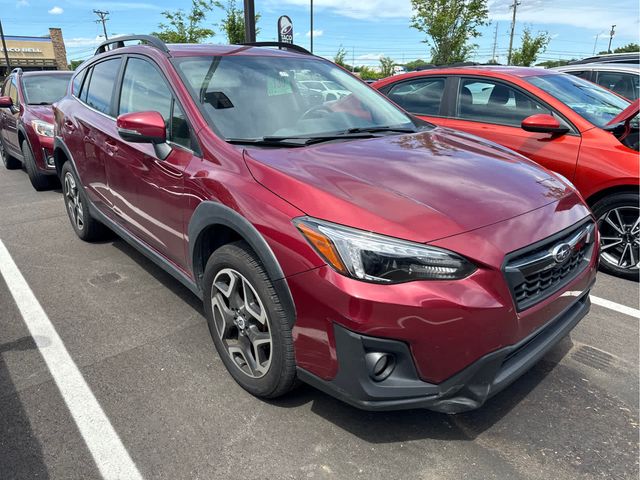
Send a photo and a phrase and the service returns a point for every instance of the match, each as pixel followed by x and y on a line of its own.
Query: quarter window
pixel 101 83
pixel 77 83
pixel 494 102
pixel 422 96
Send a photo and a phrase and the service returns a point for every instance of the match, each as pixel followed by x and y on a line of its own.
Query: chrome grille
pixel 538 271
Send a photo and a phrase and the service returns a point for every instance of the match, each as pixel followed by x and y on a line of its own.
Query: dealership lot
pixel 167 404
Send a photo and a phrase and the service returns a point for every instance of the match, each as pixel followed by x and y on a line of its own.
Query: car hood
pixel 420 187
pixel 43 112
pixel 627 114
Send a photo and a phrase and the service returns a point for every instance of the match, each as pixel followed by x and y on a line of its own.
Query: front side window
pixel 625 84
pixel 13 92
pixel 45 89
pixel 420 96
pixel 253 97
pixel 5 87
pixel 495 102
pixel 101 84
pixel 145 90
pixel 590 101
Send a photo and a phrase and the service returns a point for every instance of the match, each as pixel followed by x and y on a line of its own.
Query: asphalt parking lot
pixel 169 409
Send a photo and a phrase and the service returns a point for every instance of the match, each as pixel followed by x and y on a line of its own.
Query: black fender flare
pixel 23 131
pixel 210 213
pixel 58 143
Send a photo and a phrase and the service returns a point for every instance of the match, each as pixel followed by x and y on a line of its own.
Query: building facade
pixel 34 53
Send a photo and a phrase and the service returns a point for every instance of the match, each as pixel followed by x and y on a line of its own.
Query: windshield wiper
pixel 381 129
pixel 297 141
pixel 40 103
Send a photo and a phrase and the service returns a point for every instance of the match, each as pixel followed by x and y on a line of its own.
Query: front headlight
pixel 42 128
pixel 377 258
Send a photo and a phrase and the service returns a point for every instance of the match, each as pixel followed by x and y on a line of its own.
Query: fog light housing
pixel 380 365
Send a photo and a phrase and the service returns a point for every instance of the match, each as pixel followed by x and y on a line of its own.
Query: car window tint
pixel 101 84
pixel 77 83
pixel 495 102
pixel 180 131
pixel 144 90
pixel 421 96
pixel 625 84
pixel 13 92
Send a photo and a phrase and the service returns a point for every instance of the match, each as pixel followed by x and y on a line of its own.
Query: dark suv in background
pixel 26 122
pixel 389 262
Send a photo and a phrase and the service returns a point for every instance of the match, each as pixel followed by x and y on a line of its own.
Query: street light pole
pixel 595 45
pixel 249 21
pixel 311 21
pixel 4 47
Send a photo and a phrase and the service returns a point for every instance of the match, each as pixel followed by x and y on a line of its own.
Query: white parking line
pixel 633 312
pixel 110 455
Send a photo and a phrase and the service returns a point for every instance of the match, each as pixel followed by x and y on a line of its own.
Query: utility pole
pixel 595 44
pixel 611 34
pixel 249 21
pixel 311 22
pixel 4 47
pixel 102 19
pixel 513 28
pixel 495 44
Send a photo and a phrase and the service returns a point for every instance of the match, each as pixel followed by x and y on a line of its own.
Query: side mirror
pixel 6 102
pixel 543 123
pixel 145 127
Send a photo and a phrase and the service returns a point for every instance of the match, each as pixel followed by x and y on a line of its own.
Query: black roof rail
pixel 288 46
pixel 119 42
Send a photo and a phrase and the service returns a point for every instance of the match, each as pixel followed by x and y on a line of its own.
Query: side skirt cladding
pixel 209 214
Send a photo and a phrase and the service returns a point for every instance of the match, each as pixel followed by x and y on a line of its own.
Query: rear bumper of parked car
pixel 454 343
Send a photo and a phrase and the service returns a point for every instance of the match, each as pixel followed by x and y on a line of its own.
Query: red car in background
pixel 26 123
pixel 569 125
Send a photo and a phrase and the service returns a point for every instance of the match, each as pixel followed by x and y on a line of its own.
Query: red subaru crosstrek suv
pixel 386 261
pixel 565 123
pixel 26 122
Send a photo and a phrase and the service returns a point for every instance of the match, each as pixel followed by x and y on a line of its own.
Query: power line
pixel 102 19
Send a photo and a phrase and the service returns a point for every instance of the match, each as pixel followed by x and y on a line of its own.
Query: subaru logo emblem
pixel 561 252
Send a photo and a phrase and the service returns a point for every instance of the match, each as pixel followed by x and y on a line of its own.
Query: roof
pixel 474 70
pixel 627 67
pixel 208 49
pixel 47 72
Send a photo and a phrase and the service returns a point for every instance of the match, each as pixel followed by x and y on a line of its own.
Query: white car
pixel 621 78
pixel 329 90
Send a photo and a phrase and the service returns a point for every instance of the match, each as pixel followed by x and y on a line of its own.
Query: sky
pixel 366 29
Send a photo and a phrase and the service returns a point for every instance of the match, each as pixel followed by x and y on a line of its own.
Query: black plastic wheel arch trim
pixel 210 213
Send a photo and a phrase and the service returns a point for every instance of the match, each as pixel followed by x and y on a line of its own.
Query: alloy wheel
pixel 73 201
pixel 620 237
pixel 241 323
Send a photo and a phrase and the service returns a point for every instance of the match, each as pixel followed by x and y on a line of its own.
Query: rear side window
pixel 625 84
pixel 421 96
pixel 495 102
pixel 101 85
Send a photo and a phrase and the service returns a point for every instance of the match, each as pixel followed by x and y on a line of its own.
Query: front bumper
pixel 466 390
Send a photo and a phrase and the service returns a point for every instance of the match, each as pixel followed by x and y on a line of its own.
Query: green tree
pixel 414 65
pixel 531 47
pixel 367 73
pixel 628 48
pixel 386 66
pixel 74 64
pixel 340 56
pixel 553 63
pixel 183 27
pixel 449 26
pixel 233 22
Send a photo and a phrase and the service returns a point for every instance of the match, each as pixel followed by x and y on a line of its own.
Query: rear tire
pixel 9 162
pixel 39 181
pixel 86 227
pixel 248 323
pixel 619 228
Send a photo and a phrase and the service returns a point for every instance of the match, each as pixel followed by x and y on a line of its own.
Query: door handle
pixel 68 125
pixel 111 147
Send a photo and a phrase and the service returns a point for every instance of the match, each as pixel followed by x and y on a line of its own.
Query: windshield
pixel 45 89
pixel 587 99
pixel 245 97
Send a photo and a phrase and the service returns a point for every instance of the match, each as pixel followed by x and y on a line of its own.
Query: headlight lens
pixel 43 129
pixel 377 258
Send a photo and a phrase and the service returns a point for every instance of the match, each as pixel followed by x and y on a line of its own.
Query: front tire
pixel 38 180
pixel 9 162
pixel 618 218
pixel 248 323
pixel 77 206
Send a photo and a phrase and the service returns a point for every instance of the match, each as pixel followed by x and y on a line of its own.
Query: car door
pixel 11 117
pixel 89 135
pixel 494 109
pixel 421 96
pixel 148 193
